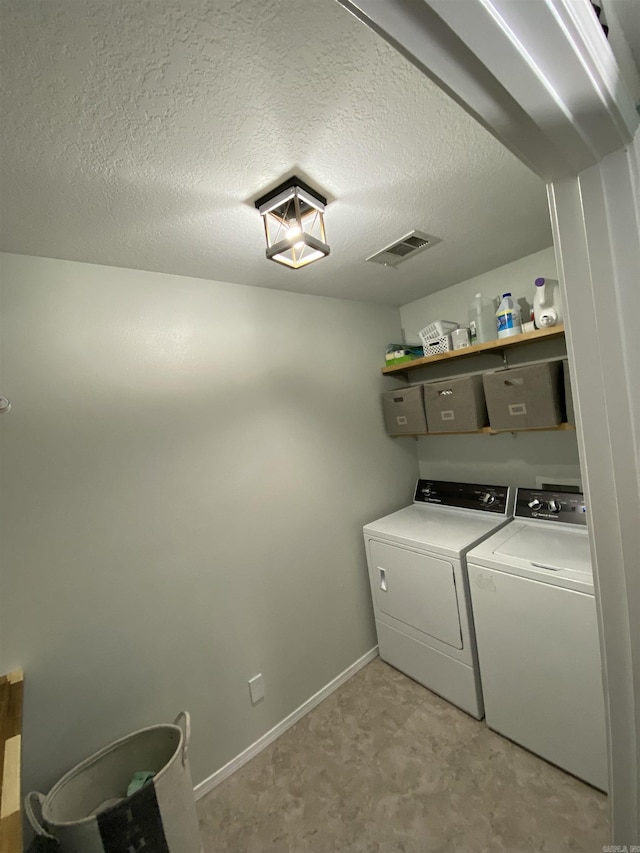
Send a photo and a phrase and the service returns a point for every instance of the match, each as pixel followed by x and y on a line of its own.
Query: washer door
pixel 416 589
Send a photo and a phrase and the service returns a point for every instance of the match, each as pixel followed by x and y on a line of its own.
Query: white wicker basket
pixel 437 345
pixel 437 329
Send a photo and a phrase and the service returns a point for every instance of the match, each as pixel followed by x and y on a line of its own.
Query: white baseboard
pixel 250 752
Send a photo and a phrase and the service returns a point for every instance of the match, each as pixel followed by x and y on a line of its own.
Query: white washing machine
pixel 537 634
pixel 417 571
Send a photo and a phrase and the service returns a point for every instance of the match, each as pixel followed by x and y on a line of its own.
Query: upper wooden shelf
pixel 490 346
pixel 489 431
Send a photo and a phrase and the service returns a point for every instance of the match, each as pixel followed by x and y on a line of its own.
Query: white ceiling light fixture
pixel 293 215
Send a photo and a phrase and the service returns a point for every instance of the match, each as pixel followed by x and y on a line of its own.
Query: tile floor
pixel 385 766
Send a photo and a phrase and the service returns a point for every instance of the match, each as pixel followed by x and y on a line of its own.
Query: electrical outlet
pixel 256 688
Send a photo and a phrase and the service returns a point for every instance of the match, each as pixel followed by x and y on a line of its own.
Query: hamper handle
pixel 185 718
pixel 37 827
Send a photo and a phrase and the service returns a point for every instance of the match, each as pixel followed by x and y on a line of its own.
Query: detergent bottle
pixel 547 305
pixel 508 317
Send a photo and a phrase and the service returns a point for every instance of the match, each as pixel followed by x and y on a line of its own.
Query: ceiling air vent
pixel 404 248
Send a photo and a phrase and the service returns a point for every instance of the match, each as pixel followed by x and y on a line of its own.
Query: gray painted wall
pixel 185 473
pixel 453 303
pixel 516 460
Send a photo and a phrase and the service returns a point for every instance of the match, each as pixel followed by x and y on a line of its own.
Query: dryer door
pixel 416 589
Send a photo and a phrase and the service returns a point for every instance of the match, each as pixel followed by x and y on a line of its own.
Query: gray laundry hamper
pixel 88 810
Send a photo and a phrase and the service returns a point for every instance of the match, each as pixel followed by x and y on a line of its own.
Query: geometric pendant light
pixel 293 215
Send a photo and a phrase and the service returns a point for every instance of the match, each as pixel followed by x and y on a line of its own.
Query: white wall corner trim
pixel 597 265
pixel 208 784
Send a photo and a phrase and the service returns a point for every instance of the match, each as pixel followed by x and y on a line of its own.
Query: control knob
pixel 487 499
pixel 554 506
pixel 534 503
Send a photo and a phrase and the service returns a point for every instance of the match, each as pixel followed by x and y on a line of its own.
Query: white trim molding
pixel 597 239
pixel 208 784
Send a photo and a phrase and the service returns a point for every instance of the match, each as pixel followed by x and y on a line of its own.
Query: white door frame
pixel 541 77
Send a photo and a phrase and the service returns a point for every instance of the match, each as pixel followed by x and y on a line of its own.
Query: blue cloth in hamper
pixel 141 778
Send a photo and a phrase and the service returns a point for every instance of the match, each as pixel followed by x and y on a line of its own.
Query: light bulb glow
pixel 294 224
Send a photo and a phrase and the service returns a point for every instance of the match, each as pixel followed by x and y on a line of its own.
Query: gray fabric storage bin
pixel 568 395
pixel 403 410
pixel 526 397
pixel 456 404
pixel 88 810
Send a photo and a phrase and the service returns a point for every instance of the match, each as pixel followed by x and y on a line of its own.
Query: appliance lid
pixel 554 548
pixel 447 531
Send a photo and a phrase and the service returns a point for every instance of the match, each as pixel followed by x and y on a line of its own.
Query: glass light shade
pixel 293 217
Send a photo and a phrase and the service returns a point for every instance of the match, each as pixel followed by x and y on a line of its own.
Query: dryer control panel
pixel 548 505
pixel 463 495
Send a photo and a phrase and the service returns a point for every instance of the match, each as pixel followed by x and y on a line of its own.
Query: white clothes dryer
pixel 535 617
pixel 417 571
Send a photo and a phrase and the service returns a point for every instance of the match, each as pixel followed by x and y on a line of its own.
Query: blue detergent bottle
pixel 508 317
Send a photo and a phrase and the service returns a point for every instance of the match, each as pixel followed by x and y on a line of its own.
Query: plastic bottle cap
pixel 478 296
pixel 539 282
pixel 505 295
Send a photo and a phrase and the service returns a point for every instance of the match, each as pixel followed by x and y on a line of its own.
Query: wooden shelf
pixel 488 431
pixel 10 743
pixel 491 346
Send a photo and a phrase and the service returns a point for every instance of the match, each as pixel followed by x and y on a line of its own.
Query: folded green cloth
pixel 139 780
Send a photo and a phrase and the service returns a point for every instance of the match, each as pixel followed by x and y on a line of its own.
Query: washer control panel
pixel 547 505
pixel 463 495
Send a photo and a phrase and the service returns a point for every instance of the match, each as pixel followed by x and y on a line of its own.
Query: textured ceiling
pixel 137 134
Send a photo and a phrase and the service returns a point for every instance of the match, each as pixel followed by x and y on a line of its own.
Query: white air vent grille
pixel 404 248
